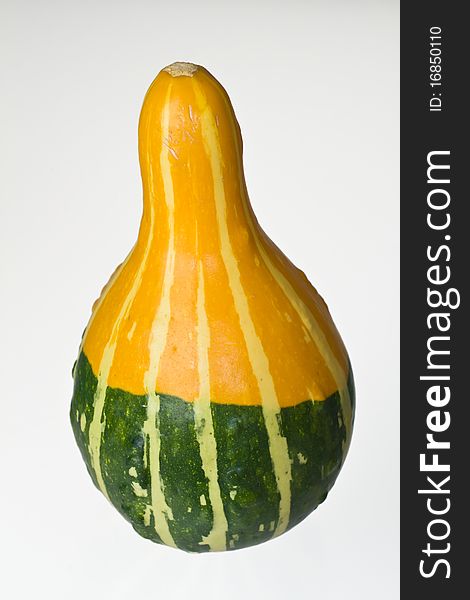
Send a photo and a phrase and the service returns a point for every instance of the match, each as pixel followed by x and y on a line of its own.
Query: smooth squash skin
pixel 213 397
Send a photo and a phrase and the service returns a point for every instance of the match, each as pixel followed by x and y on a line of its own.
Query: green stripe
pixel 246 476
pixel 315 434
pixel 183 476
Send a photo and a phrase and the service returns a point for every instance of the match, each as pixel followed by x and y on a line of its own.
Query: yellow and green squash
pixel 213 397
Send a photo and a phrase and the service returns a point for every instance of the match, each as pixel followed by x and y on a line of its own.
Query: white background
pixel 315 88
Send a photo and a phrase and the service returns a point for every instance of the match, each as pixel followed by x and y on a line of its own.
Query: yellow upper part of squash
pixel 205 303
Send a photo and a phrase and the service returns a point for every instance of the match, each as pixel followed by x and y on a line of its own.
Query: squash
pixel 213 397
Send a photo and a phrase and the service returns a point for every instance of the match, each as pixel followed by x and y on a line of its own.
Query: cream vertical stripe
pixel 270 405
pixel 161 511
pixel 158 336
pixel 216 539
pixel 95 430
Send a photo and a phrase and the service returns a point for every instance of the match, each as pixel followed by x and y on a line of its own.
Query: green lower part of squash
pixel 316 438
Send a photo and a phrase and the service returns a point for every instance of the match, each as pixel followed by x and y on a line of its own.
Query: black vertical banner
pixel 435 269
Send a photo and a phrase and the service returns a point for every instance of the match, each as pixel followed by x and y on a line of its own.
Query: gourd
pixel 213 397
